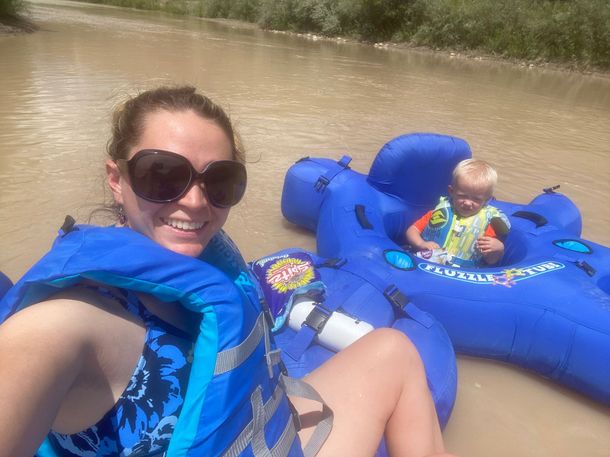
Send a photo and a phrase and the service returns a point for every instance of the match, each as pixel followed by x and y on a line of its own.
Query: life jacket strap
pixel 230 359
pixel 299 388
pixel 272 356
pixel 253 433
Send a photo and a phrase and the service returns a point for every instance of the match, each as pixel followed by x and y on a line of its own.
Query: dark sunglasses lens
pixel 225 183
pixel 160 177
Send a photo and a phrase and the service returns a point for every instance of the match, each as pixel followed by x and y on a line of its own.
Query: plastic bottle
pixel 339 331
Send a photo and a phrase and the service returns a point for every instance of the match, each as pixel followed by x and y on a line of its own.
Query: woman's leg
pixel 375 386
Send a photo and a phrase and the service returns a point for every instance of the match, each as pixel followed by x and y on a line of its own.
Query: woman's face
pixel 186 225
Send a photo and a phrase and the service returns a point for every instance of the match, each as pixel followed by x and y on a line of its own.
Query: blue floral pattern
pixel 143 419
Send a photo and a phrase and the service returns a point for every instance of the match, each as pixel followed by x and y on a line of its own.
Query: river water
pixel 290 97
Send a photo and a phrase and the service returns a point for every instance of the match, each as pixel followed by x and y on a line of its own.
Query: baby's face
pixel 467 198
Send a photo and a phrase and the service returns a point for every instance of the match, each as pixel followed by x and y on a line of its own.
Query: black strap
pixel 550 190
pixel 536 218
pixel 396 298
pixel 68 226
pixel 336 263
pixel 362 219
pixel 583 265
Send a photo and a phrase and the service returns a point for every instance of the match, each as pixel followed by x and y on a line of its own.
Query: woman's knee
pixel 393 346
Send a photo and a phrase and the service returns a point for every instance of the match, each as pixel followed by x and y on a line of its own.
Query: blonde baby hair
pixel 477 172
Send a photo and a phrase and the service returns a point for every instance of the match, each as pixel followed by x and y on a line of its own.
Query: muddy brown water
pixel 290 97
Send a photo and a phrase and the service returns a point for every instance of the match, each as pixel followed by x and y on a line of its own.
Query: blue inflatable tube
pixel 5 284
pixel 361 298
pixel 546 307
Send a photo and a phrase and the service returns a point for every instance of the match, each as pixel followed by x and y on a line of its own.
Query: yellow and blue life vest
pixel 458 235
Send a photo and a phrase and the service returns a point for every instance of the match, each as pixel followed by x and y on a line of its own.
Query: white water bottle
pixel 339 331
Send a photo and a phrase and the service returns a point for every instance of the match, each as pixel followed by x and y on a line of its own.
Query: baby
pixel 463 229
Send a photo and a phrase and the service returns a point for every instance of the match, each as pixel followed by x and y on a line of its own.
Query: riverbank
pixel 13 19
pixel 590 51
pixel 475 55
pixel 16 24
pixel 570 35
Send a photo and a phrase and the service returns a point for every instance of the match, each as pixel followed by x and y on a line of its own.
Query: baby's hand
pixel 491 248
pixel 487 244
pixel 429 245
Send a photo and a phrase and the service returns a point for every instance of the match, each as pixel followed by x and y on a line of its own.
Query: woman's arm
pixel 40 358
pixel 63 365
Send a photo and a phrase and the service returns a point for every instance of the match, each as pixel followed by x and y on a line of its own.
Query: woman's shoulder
pixel 70 357
pixel 72 319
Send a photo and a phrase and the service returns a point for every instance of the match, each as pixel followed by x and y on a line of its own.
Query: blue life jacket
pixel 236 402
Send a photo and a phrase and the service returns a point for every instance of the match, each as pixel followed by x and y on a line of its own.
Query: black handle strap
pixel 536 218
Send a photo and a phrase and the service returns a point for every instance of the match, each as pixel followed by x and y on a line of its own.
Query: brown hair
pixel 128 119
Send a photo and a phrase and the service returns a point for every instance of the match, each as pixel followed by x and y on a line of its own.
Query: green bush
pixel 10 8
pixel 138 4
pixel 560 31
pixel 245 10
pixel 575 32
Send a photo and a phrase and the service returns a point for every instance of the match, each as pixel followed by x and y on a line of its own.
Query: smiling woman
pixel 146 348
pixel 175 120
pixel 188 220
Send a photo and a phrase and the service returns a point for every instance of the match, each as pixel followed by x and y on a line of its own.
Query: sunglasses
pixel 163 177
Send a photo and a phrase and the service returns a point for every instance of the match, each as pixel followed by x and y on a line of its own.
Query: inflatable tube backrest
pixel 417 168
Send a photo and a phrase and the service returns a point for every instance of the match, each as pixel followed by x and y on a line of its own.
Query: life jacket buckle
pixel 272 358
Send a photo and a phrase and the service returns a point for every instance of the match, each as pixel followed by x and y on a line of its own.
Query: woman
pixel 92 384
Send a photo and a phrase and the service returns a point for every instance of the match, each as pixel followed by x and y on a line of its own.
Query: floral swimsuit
pixel 142 420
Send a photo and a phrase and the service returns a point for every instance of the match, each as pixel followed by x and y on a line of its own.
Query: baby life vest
pixel 458 235
pixel 236 403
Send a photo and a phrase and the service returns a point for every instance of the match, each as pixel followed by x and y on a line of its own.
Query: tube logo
pixel 506 278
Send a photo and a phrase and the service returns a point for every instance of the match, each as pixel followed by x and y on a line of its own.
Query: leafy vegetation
pixel 11 8
pixel 574 32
